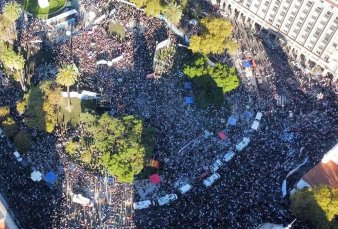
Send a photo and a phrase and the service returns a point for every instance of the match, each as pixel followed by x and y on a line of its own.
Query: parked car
pixel 84 201
pixel 216 165
pixel 142 204
pixel 210 180
pixel 185 188
pixel 228 156
pixel 240 146
pixel 17 156
pixel 166 199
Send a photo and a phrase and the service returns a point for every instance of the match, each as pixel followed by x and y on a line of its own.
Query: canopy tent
pixel 259 116
pixel 232 121
pixel 36 176
pixel 223 135
pixel 155 178
pixel 247 64
pixel 187 85
pixel 50 177
pixel 255 125
pixel 189 100
pixel 247 114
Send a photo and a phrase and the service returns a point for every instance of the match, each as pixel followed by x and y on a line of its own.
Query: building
pixel 6 220
pixel 307 28
pixel 324 173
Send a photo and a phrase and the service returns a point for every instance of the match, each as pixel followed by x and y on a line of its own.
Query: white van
pixel 17 156
pixel 166 199
pixel 84 201
pixel 210 180
pixel 258 116
pixel 240 146
pixel 142 204
pixel 255 125
pixel 185 188
pixel 216 165
pixel 228 156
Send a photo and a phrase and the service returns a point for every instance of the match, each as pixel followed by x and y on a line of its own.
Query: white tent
pixel 255 125
pixel 258 116
pixel 36 176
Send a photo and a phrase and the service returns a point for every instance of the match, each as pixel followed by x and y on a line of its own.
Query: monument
pixel 43 3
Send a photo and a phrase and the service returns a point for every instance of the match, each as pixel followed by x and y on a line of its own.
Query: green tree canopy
pixel 173 12
pixel 123 142
pixel 151 7
pixel 13 64
pixel 4 113
pixel 22 142
pixel 214 38
pixel 211 82
pixel 12 11
pixel 317 205
pixel 41 105
pixel 7 30
pixel 10 127
pixel 67 76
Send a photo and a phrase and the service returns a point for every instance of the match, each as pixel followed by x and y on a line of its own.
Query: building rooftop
pixel 326 172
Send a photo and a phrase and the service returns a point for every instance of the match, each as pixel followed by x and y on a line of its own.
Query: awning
pixel 155 178
pixel 50 178
pixel 189 100
pixel 232 121
pixel 36 176
pixel 222 135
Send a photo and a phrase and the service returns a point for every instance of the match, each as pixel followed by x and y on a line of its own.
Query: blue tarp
pixel 50 177
pixel 187 85
pixel 232 121
pixel 247 114
pixel 189 100
pixel 247 64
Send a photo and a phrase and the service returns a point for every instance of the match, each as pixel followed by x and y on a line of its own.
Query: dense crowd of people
pixel 249 191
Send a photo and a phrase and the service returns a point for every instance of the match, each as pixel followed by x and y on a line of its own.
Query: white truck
pixel 84 201
pixel 212 179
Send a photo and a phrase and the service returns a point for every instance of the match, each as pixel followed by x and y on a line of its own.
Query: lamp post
pixel 70 34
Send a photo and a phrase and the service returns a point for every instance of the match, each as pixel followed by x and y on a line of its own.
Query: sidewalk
pixel 3 210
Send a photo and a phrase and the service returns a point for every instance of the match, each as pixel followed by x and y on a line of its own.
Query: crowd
pixel 249 192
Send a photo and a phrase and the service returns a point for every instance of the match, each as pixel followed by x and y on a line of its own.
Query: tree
pixel 210 82
pixel 317 205
pixel 71 147
pixel 214 38
pixel 151 7
pixel 173 12
pixel 7 30
pixel 4 113
pixel 12 11
pixel 13 63
pixel 10 127
pixel 22 142
pixel 67 76
pixel 121 144
pixel 42 103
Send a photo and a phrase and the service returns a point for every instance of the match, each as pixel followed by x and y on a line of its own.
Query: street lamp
pixel 70 35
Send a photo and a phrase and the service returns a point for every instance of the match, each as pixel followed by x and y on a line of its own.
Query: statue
pixel 43 3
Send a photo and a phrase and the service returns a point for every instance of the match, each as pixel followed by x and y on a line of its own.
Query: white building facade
pixel 309 28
